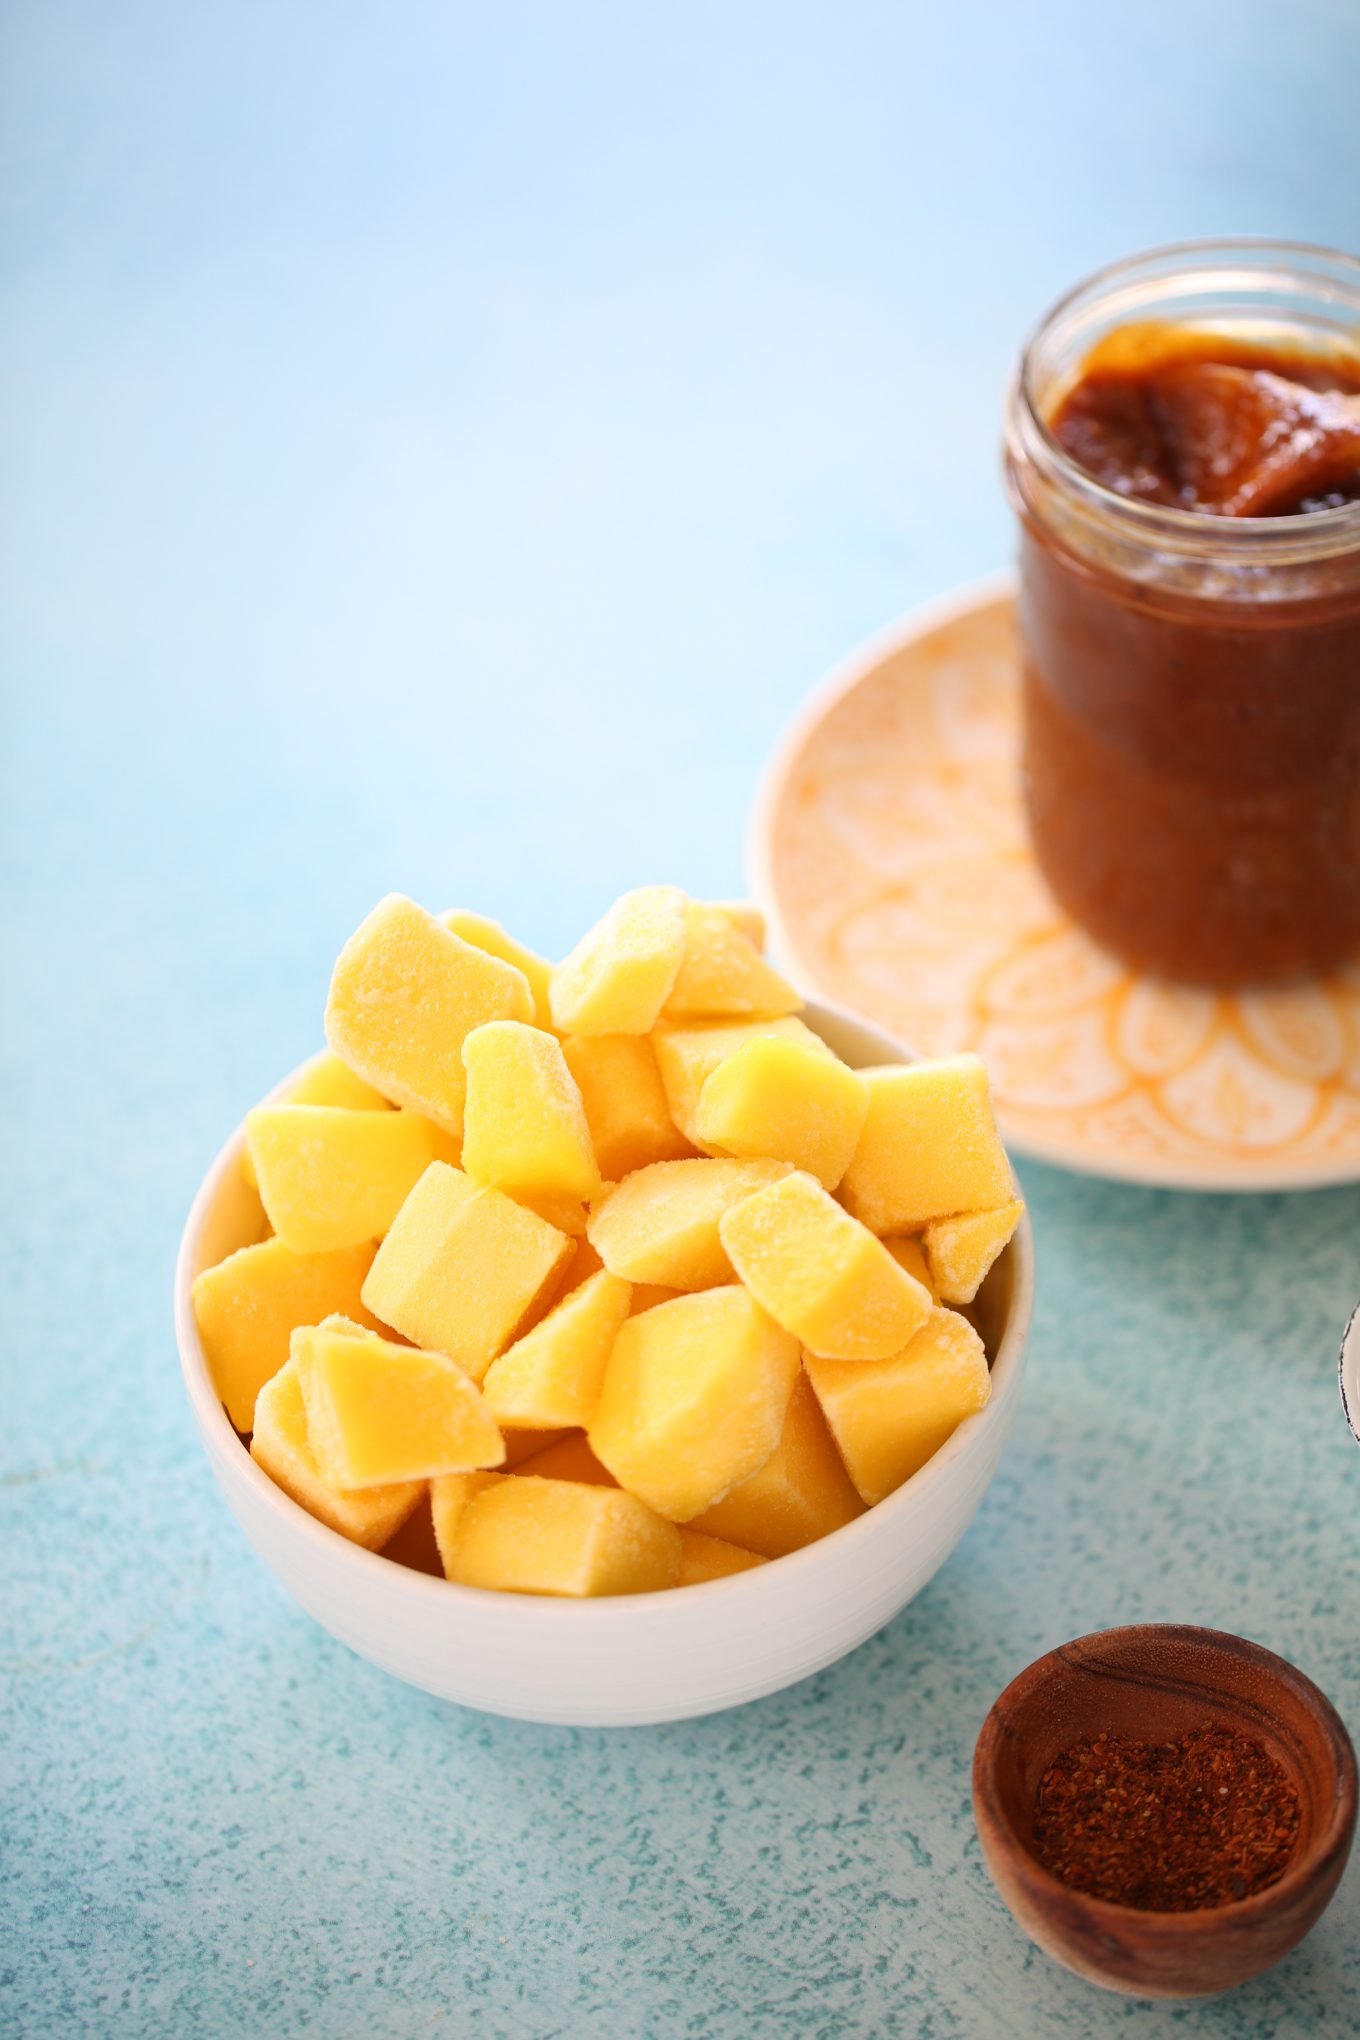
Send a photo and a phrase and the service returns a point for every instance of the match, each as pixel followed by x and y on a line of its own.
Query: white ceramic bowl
pixel 644 1657
pixel 1350 1373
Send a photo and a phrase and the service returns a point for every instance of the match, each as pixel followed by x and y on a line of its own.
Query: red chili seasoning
pixel 1167 1827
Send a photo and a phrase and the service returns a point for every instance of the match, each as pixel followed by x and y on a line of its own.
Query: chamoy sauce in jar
pixel 1188 482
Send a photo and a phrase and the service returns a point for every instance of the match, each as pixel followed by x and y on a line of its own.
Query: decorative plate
pixel 891 852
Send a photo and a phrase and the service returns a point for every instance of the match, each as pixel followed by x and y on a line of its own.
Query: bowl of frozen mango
pixel 604 1342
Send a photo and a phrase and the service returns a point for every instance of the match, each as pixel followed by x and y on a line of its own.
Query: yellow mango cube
pixel 888 1417
pixel 527 1535
pixel 619 976
pixel 710 1558
pixel 660 1225
pixel 521 1446
pixel 820 1273
pixel 462 1268
pixel 378 1412
pixel 524 1126
pixel 446 1148
pixel 724 972
pixel 647 1295
pixel 281 1445
pixel 929 1148
pixel 405 994
pixel 249 1305
pixel 568 1214
pixel 961 1250
pixel 579 1264
pixel 909 1253
pixel 688 1056
pixel 625 1102
pixel 584 1263
pixel 414 1544
pixel 552 1376
pixel 449 1497
pixel 491 937
pixel 801 1493
pixel 570 1458
pixel 746 916
pixel 785 1099
pixel 326 1081
pixel 694 1400
pixel 330 1176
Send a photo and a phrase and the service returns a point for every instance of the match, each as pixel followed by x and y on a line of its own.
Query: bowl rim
pixel 1348 1373
pixel 294 1521
pixel 1305 1869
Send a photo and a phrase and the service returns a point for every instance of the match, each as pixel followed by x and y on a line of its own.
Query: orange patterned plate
pixel 891 853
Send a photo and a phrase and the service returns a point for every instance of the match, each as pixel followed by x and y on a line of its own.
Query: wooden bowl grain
pixel 1158 1681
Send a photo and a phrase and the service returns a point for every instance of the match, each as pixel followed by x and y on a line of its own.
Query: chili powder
pixel 1167 1827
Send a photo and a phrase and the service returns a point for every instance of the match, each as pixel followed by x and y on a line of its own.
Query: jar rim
pixel 1321 534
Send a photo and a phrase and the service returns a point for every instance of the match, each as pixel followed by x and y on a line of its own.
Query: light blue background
pixel 441 447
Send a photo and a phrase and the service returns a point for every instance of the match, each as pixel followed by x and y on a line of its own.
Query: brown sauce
pixel 1190 420
pixel 1193 762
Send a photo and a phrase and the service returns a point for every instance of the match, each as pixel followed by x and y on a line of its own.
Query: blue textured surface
pixel 441 447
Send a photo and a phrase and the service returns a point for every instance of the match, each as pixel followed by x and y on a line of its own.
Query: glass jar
pixel 1191 681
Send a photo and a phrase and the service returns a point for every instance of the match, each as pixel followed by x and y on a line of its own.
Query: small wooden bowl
pixel 1158 1681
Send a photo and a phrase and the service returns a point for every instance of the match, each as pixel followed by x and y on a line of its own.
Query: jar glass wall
pixel 1192 682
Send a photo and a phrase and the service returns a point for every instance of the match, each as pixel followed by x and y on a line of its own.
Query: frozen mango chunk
pixel 446 1148
pixel 660 1225
pixel 724 972
pixel 568 1214
pixel 378 1412
pixel 405 994
pixel 909 1253
pixel 281 1445
pixel 414 1545
pixel 330 1176
pixel 449 1497
pixel 527 1535
pixel 961 1250
pixel 694 1400
pixel 820 1273
pixel 625 1102
pixel 688 1056
pixel 552 1376
pixel 462 1267
pixel 785 1099
pixel 521 1446
pixel 524 1126
pixel 745 915
pixel 249 1305
pixel 801 1493
pixel 619 976
pixel 570 1458
pixel 710 1558
pixel 327 1081
pixel 888 1417
pixel 579 1265
pixel 929 1148
pixel 491 937
pixel 647 1295
pixel 583 1263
